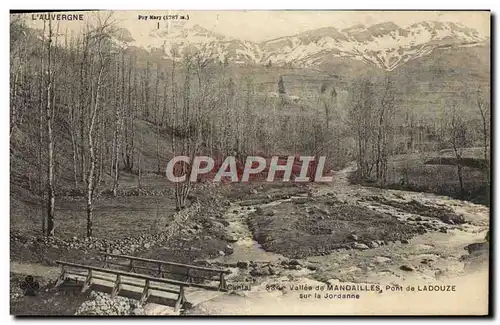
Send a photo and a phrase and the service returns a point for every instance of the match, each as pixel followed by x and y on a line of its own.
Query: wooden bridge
pixel 143 287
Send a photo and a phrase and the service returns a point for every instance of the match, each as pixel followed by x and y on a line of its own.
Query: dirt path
pixel 37 270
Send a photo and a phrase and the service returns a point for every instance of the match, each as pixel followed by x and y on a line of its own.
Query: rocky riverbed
pixel 349 234
pixel 275 237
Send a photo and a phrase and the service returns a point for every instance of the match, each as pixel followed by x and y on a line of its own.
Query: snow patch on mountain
pixel 385 45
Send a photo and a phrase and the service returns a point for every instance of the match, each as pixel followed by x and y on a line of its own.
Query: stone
pixel 138 311
pixel 260 271
pixel 404 241
pixel 300 200
pixel 273 270
pixel 221 253
pixel 230 238
pixel 477 247
pixel 452 218
pixel 294 262
pixel 382 259
pixel 224 222
pixel 353 237
pixel 373 244
pixel 229 250
pixel 323 211
pixel 216 224
pixel 406 268
pixel 242 264
pixel 360 246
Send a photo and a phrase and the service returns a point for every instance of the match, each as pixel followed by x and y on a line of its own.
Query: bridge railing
pixel 189 273
pixel 92 273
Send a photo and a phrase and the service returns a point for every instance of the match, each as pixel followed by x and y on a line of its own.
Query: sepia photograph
pixel 250 162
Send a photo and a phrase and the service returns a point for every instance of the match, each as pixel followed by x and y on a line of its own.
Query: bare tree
pixel 100 35
pixel 328 98
pixel 49 120
pixel 128 120
pixel 458 134
pixel 385 118
pixel 485 121
pixel 117 139
pixel 41 105
pixel 361 120
pixel 157 115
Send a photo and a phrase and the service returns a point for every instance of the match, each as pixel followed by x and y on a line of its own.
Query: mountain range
pixel 384 45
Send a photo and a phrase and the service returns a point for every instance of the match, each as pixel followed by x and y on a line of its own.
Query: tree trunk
pixel 50 141
pixel 460 179
pixel 92 157
pixel 40 140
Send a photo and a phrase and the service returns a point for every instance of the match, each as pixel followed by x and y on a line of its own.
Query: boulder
pixel 229 250
pixel 260 271
pixel 453 219
pixel 230 238
pixel 360 246
pixel 273 270
pixel 300 200
pixel 242 264
pixel 406 268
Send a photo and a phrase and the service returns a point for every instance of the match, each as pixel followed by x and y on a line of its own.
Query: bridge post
pixel 117 286
pixel 180 299
pixel 88 281
pixel 189 278
pixel 131 266
pixel 160 272
pixel 145 293
pixel 222 282
pixel 106 265
pixel 62 276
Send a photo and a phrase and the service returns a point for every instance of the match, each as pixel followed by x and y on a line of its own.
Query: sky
pixel 259 26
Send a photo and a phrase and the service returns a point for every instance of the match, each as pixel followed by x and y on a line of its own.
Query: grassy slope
pixel 119 217
pixel 442 179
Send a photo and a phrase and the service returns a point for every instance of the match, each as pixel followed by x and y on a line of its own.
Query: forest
pixel 87 110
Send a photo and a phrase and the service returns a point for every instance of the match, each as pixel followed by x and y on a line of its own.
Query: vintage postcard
pixel 250 163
